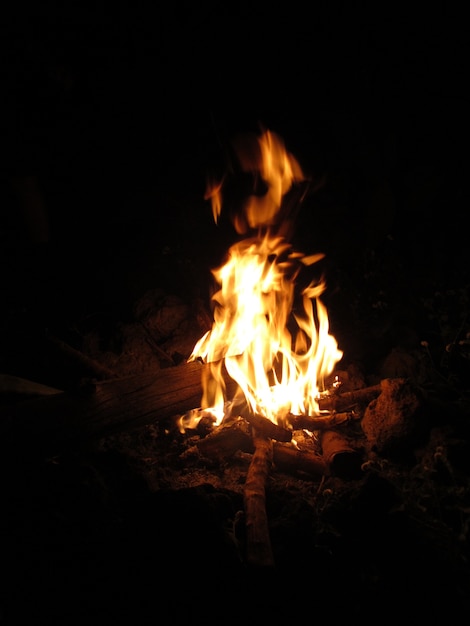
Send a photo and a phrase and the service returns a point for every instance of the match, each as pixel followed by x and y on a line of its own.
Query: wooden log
pixel 343 459
pixel 258 542
pixel 344 401
pixel 267 428
pixel 50 424
pixel 226 439
pixel 263 425
pixel 321 422
pixel 290 459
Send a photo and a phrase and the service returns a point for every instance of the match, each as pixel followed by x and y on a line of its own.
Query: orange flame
pixel 277 370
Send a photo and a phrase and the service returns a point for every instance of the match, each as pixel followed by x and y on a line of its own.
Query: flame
pixel 272 342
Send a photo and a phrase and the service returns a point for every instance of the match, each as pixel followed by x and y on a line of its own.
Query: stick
pixel 263 425
pixel 267 428
pixel 16 386
pixel 323 422
pixel 345 400
pixel 101 372
pixel 259 551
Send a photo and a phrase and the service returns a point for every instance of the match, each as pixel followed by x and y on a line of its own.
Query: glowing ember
pixel 273 343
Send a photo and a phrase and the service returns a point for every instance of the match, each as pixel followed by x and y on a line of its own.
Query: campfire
pixel 242 432
pixel 267 383
pixel 261 385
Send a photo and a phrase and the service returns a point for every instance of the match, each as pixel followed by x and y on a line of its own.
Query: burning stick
pixel 323 422
pixel 259 551
pixel 264 426
pixel 345 400
pixel 226 439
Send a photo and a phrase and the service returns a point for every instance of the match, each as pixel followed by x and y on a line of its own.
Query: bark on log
pixel 258 542
pixel 50 424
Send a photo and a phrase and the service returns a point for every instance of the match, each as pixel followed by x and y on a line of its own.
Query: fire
pixel 274 343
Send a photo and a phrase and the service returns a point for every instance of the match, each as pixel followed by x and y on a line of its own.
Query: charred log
pixel 226 439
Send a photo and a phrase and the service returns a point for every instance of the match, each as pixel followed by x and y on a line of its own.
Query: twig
pixel 100 371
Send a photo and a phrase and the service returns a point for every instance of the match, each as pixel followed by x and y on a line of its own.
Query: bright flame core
pixel 275 348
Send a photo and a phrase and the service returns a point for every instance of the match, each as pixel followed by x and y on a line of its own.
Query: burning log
pixel 226 439
pixel 52 423
pixel 266 427
pixel 258 542
pixel 236 435
pixel 322 422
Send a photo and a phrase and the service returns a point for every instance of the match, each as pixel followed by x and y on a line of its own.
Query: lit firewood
pixel 321 422
pixel 343 401
pixel 266 427
pixel 236 435
pixel 48 425
pixel 226 439
pixel 261 424
pixel 258 543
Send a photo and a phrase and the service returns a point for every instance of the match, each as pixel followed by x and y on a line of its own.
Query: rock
pixel 393 422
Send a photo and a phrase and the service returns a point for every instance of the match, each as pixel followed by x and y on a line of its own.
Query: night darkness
pixel 116 114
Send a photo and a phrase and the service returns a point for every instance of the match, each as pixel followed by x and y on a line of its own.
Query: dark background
pixel 120 111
